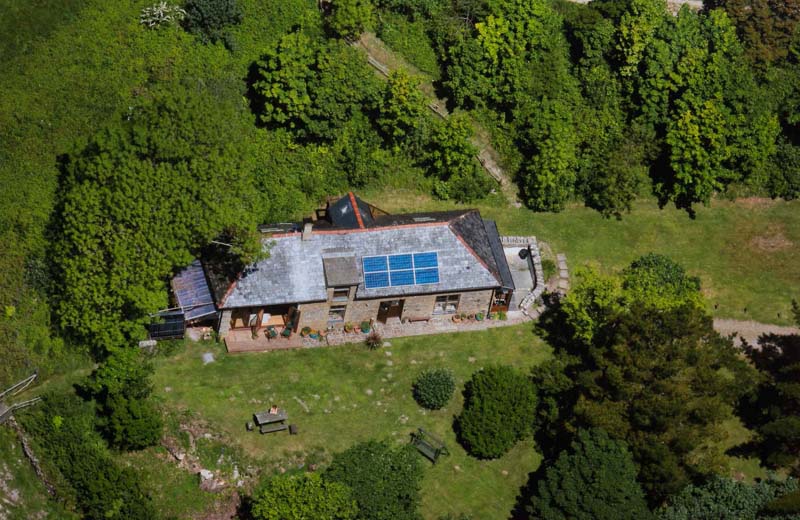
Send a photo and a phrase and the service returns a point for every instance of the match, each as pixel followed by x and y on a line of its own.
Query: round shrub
pixel 434 388
pixel 499 407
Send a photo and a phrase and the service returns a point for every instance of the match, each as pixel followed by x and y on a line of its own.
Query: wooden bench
pixel 270 428
pixel 414 319
pixel 428 445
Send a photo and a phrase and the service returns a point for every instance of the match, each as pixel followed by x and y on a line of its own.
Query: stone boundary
pixel 563 274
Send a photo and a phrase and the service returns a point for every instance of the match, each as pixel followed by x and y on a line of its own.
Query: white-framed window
pixel 341 294
pixel 336 313
pixel 446 304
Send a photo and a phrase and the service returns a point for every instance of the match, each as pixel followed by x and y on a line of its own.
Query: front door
pixel 390 309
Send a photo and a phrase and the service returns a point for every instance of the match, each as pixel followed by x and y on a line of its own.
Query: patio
pixel 242 340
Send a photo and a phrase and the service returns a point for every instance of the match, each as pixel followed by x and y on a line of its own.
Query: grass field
pixel 746 253
pixel 352 395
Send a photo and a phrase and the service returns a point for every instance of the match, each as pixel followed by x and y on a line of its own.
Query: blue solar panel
pixel 374 263
pixel 422 260
pixel 425 276
pixel 400 262
pixel 402 277
pixel 402 269
pixel 376 280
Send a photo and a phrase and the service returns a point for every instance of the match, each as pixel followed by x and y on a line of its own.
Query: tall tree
pixel 138 201
pixel 385 480
pixel 696 91
pixel 311 88
pixel 121 387
pixel 646 367
pixel 773 410
pixel 595 479
pixel 766 27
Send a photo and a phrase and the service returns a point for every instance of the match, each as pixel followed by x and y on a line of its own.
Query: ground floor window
pixel 446 304
pixel 336 313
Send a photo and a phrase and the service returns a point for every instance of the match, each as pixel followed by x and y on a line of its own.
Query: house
pixel 354 263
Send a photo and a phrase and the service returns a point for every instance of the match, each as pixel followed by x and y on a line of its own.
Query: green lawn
pixel 745 253
pixel 353 394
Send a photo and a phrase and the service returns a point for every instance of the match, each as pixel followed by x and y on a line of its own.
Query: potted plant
pixel 479 316
pixel 471 317
pixel 502 316
pixel 365 326
pixel 348 327
pixel 490 316
pixel 463 316
pixel 305 331
pixel 456 318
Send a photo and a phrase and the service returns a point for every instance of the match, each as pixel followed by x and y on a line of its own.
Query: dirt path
pixel 384 60
pixel 751 330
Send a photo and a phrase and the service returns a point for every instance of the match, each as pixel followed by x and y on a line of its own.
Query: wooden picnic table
pixel 262 418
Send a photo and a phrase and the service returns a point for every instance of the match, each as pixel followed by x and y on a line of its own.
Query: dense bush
pixel 726 498
pixel 595 479
pixel 499 406
pixel 303 497
pixel 121 387
pixel 433 388
pixel 348 18
pixel 170 154
pixel 209 19
pixel 62 426
pixel 385 480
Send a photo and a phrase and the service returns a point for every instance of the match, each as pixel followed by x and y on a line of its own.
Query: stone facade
pixel 315 315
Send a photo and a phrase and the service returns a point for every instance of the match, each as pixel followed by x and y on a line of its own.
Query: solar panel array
pixel 192 292
pixel 400 270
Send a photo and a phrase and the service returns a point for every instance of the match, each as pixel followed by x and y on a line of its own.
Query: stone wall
pixel 315 315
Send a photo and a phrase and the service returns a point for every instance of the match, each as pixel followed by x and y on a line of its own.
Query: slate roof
pixel 295 272
pixel 341 270
pixel 468 247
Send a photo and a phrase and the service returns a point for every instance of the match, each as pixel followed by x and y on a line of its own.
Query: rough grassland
pixel 746 253
pixel 352 395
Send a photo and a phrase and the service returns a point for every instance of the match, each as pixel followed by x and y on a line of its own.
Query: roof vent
pixel 424 219
pixel 307 230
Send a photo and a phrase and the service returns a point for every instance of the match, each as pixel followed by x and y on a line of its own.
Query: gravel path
pixel 751 330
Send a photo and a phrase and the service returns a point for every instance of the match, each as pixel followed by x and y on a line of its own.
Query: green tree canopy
pixel 595 479
pixel 210 19
pixel 385 480
pixel 451 158
pixel 656 376
pixel 121 387
pixel 695 87
pixel 303 497
pixel 348 18
pixel 725 499
pixel 138 201
pixel 499 406
pixel 311 88
pixel 401 109
pixel 773 409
